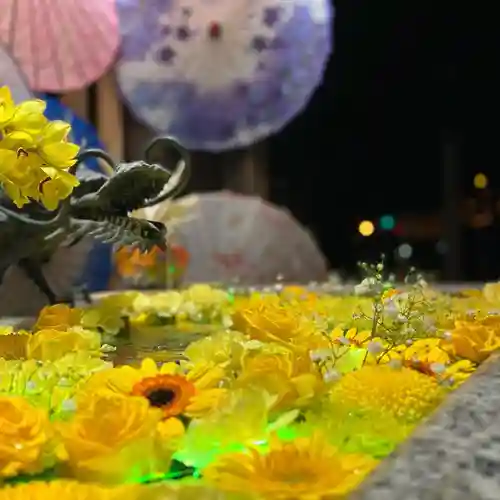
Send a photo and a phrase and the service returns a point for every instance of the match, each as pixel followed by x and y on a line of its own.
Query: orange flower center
pixel 171 393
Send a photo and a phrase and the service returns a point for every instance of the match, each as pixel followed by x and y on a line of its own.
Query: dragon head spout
pixel 101 205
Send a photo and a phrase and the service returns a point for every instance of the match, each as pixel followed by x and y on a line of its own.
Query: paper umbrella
pixel 220 74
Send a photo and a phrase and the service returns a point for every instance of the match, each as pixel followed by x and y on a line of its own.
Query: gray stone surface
pixel 455 455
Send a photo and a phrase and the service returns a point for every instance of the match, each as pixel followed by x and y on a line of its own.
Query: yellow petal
pixel 56 131
pixel 60 155
pixel 149 367
pixel 17 139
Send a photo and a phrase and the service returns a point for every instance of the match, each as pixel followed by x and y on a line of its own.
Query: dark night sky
pixel 369 142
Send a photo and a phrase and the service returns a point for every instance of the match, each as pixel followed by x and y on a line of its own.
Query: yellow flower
pixel 245 412
pixel 70 490
pixel 49 345
pixel 224 349
pixel 307 468
pixel 34 153
pixel 288 376
pixel 426 356
pixel 192 394
pixel 108 313
pixel 298 293
pixel 51 385
pixel 474 340
pixel 13 344
pixel 57 187
pixel 24 437
pixel 353 336
pixel 405 393
pixel 491 293
pixel 113 438
pixel 189 490
pixel 269 320
pixel 457 373
pixel 58 317
pixel 7 106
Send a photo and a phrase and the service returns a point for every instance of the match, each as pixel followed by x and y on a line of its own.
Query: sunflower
pixel 171 393
pixel 306 468
pixel 192 394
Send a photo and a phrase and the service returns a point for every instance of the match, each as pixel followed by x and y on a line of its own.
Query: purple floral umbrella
pixel 220 74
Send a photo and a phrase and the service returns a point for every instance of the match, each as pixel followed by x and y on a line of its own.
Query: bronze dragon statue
pixel 98 207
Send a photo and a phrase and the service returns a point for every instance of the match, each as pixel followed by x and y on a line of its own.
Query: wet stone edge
pixel 454 455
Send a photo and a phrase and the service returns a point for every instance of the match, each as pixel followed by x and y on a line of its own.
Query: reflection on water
pixel 160 343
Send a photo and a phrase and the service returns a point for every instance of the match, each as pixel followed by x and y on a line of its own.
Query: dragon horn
pixel 180 176
pixel 107 165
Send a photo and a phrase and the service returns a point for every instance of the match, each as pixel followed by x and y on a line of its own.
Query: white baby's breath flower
pixel 331 376
pixel 320 355
pixel 395 364
pixel 437 368
pixel 374 347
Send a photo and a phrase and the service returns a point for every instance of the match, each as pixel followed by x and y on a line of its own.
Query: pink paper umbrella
pixel 11 75
pixel 60 45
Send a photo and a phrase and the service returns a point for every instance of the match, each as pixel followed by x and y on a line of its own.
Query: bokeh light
pixel 405 251
pixel 366 228
pixel 480 181
pixel 387 222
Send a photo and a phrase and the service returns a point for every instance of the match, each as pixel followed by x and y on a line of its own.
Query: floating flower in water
pixel 354 431
pixel 25 438
pixel 238 424
pixel 289 376
pixel 58 317
pixel 404 393
pixel 114 439
pixel 305 468
pixel 107 315
pixel 69 490
pixel 474 340
pixel 50 385
pixel 166 388
pixel 13 345
pixel 426 356
pixel 270 320
pixel 50 345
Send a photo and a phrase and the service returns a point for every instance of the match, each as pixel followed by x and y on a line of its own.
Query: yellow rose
pixel 114 438
pixel 491 293
pixel 474 340
pixel 63 489
pixel 289 378
pixel 24 437
pixel 58 317
pixel 50 345
pixel 13 344
pixel 269 320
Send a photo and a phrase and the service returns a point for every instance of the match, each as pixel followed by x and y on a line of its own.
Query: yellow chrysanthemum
pixel 307 468
pixel 69 490
pixel 404 393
